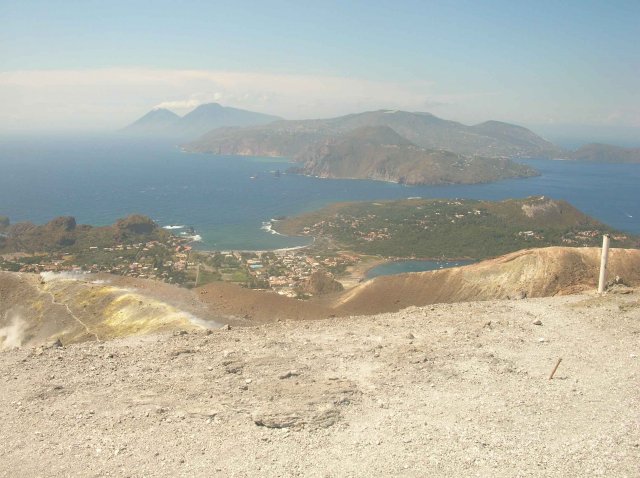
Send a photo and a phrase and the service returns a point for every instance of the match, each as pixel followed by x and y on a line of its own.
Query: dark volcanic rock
pixel 321 282
pixel 136 224
pixel 64 223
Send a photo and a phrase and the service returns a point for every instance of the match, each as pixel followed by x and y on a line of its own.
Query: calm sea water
pixel 227 199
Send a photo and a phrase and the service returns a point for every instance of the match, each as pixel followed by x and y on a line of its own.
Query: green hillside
pixel 474 229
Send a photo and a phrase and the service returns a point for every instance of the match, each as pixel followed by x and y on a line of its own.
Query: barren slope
pixel 76 308
pixel 90 307
pixel 532 273
pixel 445 390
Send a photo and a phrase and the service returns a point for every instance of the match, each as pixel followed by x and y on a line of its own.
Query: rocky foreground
pixel 441 390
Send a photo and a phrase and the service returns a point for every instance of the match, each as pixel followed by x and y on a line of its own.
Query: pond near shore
pixel 400 267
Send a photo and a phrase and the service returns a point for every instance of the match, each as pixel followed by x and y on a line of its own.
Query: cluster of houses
pixel 172 261
pixel 363 230
pixel 579 237
pixel 151 260
pixel 531 235
pixel 294 268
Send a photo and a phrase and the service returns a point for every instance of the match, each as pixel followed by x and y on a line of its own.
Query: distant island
pixel 292 138
pixel 161 122
pixel 605 153
pixel 452 229
pixel 424 150
pixel 399 146
pixel 379 153
pixel 410 148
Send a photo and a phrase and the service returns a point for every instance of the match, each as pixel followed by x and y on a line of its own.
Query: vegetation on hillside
pixel 62 233
pixel 291 138
pixel 452 228
pixel 134 246
pixel 379 153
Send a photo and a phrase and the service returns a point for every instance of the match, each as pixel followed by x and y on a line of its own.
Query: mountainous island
pixel 389 145
pixel 398 146
pixel 204 118
pixel 291 138
pixel 379 153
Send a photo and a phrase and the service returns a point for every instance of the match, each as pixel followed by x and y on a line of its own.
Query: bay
pixel 227 200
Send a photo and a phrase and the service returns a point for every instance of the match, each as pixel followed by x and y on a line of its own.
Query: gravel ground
pixel 444 390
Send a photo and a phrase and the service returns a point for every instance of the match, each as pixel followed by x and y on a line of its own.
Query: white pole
pixel 603 263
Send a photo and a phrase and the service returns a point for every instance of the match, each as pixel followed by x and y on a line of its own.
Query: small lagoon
pixel 401 267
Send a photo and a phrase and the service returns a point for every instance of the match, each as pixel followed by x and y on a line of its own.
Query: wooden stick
pixel 603 263
pixel 555 368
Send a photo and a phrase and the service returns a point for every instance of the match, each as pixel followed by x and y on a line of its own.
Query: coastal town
pixel 138 247
pixel 348 238
pixel 159 260
pixel 174 260
pixel 286 271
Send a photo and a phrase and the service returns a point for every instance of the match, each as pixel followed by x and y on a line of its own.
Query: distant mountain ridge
pixel 213 128
pixel 397 146
pixel 290 138
pixel 605 153
pixel 206 117
pixel 156 121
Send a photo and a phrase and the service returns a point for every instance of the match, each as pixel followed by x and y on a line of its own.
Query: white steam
pixel 55 276
pixel 13 335
pixel 205 324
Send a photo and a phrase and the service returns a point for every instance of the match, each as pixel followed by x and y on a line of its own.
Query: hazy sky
pixel 553 65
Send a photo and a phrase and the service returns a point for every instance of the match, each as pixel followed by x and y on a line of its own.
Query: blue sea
pixel 400 267
pixel 227 200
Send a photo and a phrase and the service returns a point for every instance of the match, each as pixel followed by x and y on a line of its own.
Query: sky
pixel 564 68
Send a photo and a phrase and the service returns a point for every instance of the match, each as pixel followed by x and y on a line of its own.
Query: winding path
pixel 75 317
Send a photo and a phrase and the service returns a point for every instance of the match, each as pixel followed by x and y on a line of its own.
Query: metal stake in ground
pixel 603 263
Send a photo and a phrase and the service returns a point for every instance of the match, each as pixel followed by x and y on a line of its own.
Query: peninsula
pixel 452 229
pixel 134 246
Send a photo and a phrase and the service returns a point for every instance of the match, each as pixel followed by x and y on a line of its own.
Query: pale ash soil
pixel 444 390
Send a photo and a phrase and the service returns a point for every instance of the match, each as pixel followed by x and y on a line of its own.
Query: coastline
pixel 259 251
pixel 357 273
